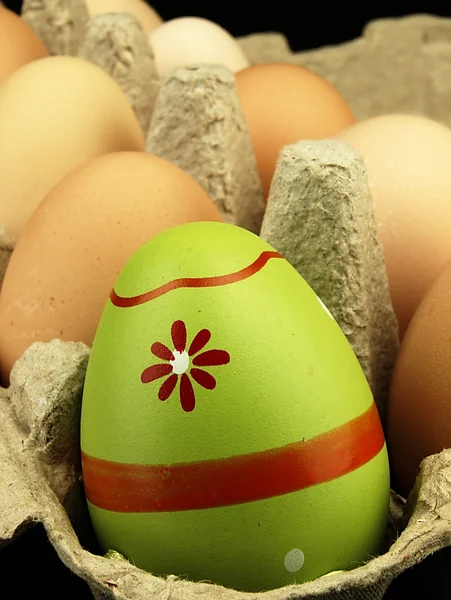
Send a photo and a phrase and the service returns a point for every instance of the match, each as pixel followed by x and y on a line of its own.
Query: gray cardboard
pixel 118 44
pixel 198 125
pixel 59 23
pixel 320 218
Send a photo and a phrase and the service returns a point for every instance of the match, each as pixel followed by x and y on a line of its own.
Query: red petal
pixel 155 372
pixel 161 351
pixel 187 398
pixel 178 333
pixel 167 387
pixel 211 358
pixel 203 378
pixel 199 342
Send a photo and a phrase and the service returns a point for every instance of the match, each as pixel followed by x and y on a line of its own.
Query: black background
pixel 306 23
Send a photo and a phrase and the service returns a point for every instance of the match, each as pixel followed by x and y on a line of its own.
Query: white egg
pixel 193 40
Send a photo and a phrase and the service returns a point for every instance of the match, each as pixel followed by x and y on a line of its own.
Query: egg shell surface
pixel 75 244
pixel 212 365
pixel 419 407
pixel 407 159
pixel 283 104
pixel 19 45
pixel 56 114
pixel 191 40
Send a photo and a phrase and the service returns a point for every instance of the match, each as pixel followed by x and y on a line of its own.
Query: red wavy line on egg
pixel 195 282
pixel 132 488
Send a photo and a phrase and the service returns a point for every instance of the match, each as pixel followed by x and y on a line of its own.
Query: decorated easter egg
pixel 228 431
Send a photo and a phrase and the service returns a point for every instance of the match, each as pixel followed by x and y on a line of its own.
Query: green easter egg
pixel 228 431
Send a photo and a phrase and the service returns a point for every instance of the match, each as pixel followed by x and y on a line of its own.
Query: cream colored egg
pixel 56 114
pixel 408 160
pixel 192 40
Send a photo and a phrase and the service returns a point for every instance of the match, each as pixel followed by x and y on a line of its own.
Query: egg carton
pixel 319 216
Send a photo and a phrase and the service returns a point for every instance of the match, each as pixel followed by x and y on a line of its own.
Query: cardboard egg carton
pixel 319 216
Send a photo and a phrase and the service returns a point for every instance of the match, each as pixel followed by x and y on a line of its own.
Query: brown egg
pixel 56 113
pixel 72 249
pixel 148 17
pixel 419 408
pixel 283 104
pixel 19 44
pixel 408 161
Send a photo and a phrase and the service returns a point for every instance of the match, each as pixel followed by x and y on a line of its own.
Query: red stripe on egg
pixel 132 488
pixel 195 282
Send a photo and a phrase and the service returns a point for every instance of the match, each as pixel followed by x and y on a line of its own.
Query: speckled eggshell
pixel 228 432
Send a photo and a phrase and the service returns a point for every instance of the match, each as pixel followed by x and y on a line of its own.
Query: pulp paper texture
pixel 198 125
pixel 118 44
pixel 397 66
pixel 59 23
pixel 320 218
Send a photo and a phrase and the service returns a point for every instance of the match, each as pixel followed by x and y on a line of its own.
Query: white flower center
pixel 180 363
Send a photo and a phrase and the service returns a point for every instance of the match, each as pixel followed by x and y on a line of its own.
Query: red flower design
pixel 178 362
